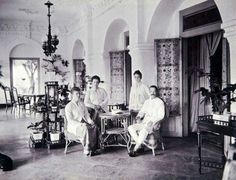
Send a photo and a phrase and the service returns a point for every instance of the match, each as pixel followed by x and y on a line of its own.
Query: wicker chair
pixel 152 141
pixel 154 138
pixel 69 137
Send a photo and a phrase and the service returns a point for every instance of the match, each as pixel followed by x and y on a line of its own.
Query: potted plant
pixel 36 130
pixel 220 98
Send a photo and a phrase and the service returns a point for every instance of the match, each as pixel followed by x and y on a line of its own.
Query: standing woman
pixel 138 94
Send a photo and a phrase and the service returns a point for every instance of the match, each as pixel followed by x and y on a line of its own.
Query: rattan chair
pixel 154 137
pixel 152 141
pixel 69 137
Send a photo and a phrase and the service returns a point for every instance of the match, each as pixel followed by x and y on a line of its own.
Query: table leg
pixel 199 151
pixel 102 133
pixel 223 158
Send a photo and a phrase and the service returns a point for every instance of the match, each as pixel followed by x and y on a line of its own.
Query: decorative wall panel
pixel 117 76
pixel 168 72
pixel 79 73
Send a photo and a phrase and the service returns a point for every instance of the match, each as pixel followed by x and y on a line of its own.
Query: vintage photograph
pixel 117 90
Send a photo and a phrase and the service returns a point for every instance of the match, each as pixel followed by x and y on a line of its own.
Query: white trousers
pixel 138 132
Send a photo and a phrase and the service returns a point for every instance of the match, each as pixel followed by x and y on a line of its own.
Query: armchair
pixel 154 137
pixel 152 141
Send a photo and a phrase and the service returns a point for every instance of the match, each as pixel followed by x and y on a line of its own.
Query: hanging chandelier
pixel 50 45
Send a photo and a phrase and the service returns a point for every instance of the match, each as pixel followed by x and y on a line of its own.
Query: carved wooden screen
pixel 117 76
pixel 168 72
pixel 79 73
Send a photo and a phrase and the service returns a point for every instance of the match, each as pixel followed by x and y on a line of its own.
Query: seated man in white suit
pixel 152 112
pixel 80 123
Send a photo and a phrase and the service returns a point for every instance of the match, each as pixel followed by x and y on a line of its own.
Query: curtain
pixel 212 41
pixel 208 47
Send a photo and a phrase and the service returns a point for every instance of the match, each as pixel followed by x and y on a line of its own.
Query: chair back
pixel 15 94
pixel 8 95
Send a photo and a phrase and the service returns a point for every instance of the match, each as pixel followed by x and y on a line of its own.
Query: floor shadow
pixel 20 162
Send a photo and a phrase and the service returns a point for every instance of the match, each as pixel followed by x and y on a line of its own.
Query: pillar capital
pixel 230 29
pixel 142 47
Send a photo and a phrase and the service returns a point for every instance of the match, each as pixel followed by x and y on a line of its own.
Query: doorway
pixel 25 75
pixel 204 68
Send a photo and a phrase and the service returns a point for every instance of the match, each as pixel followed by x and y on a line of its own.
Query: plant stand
pixel 52 123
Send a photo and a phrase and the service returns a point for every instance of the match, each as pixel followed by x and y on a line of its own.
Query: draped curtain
pixel 208 47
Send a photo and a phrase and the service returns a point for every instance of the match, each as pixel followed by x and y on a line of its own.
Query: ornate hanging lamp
pixel 50 45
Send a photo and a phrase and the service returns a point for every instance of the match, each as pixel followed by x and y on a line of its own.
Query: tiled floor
pixel 178 161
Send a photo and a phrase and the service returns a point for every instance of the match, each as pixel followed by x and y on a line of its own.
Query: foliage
pixel 56 64
pixel 64 95
pixel 221 98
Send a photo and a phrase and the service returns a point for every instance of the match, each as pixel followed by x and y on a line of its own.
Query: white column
pixel 142 56
pixel 230 34
pixel 99 64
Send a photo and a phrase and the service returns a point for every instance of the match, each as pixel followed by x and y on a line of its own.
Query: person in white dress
pixel 151 113
pixel 80 123
pixel 139 93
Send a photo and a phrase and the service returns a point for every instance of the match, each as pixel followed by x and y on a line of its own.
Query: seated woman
pixel 96 100
pixel 80 124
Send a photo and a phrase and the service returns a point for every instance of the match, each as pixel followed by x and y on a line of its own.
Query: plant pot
pixel 221 119
pixel 37 135
pixel 54 136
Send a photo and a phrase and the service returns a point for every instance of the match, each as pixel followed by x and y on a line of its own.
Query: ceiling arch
pixel 78 50
pixel 114 35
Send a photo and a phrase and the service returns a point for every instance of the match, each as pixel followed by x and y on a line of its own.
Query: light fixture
pixel 50 45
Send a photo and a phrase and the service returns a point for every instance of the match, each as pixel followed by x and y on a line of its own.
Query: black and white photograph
pixel 117 89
